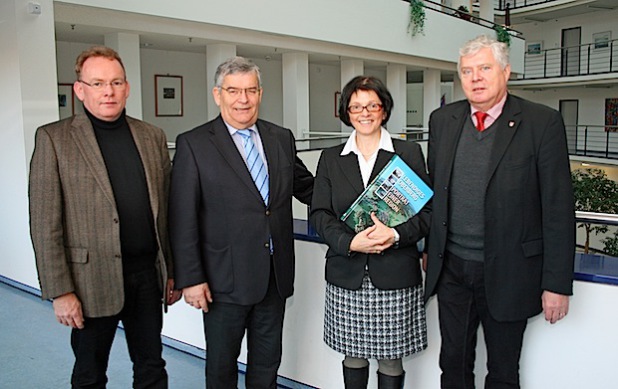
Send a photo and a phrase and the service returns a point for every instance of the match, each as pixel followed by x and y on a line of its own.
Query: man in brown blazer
pixel 98 217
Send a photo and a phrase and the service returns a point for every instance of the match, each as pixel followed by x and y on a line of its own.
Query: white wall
pixel 591 101
pixel 192 67
pixel 575 353
pixel 28 99
pixel 550 32
pixel 415 112
pixel 324 81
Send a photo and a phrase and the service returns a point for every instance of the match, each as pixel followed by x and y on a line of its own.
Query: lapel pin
pixel 511 123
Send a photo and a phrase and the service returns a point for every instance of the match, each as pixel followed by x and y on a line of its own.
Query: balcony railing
pixel 593 141
pixel 591 58
pixel 470 16
pixel 512 4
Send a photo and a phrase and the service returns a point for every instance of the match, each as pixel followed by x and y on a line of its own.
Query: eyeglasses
pixel 100 85
pixel 236 92
pixel 372 107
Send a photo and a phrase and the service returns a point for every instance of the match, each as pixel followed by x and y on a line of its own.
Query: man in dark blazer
pixel 232 240
pixel 98 219
pixel 502 237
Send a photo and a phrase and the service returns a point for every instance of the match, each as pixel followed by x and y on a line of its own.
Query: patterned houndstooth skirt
pixel 373 323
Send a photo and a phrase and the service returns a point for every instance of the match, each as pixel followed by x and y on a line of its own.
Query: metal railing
pixel 593 141
pixel 584 140
pixel 317 140
pixel 501 5
pixel 590 58
pixel 597 239
pixel 469 16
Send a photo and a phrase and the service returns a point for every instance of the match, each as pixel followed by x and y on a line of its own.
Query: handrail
pixel 593 140
pixel 596 218
pixel 473 19
pixel 514 4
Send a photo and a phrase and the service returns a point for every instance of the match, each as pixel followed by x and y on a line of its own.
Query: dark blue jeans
pixel 142 318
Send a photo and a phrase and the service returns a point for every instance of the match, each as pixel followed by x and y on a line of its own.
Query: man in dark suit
pixel 98 219
pixel 502 238
pixel 231 227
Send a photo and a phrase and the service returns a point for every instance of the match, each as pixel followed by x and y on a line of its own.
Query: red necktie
pixel 480 120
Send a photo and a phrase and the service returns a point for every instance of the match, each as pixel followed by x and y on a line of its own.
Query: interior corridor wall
pixel 28 99
pixel 591 101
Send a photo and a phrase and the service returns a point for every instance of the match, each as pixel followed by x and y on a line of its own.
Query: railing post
pixel 588 62
pixel 607 142
pixel 611 54
pixel 586 141
pixel 545 64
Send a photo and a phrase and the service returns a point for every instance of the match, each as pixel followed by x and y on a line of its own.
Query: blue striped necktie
pixel 255 164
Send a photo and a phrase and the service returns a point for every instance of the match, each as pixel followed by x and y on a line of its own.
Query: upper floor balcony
pixel 596 58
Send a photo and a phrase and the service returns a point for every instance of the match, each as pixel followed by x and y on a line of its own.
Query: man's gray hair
pixel 500 50
pixel 236 65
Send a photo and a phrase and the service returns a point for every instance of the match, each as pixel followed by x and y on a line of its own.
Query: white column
pixel 431 93
pixel 350 68
pixel 396 83
pixel 29 99
pixel 215 56
pixel 295 73
pixel 457 91
pixel 127 46
pixel 457 3
pixel 486 10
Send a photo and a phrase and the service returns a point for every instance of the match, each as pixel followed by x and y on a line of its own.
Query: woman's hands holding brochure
pixel 373 240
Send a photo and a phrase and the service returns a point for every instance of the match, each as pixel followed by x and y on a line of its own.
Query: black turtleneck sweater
pixel 126 173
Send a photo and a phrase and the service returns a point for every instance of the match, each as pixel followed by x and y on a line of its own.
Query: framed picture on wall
pixel 534 48
pixel 66 105
pixel 611 115
pixel 601 40
pixel 168 95
pixel 337 100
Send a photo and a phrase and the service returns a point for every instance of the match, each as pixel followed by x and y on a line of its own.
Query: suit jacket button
pixel 116 220
pixel 117 256
pixel 267 212
pixel 266 245
pixel 440 255
pixel 444 223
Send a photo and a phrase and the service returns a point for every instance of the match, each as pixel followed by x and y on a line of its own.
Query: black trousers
pixel 142 319
pixel 224 327
pixel 462 306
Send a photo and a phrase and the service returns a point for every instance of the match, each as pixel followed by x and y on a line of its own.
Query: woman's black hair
pixel 366 83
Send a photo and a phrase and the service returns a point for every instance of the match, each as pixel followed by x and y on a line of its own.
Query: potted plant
pixel 594 192
pixel 417 17
pixel 463 13
pixel 502 34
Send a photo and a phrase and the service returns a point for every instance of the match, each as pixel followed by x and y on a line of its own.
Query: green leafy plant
pixel 502 34
pixel 611 244
pixel 594 192
pixel 417 18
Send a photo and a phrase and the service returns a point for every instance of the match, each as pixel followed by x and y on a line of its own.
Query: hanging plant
pixel 417 17
pixel 502 34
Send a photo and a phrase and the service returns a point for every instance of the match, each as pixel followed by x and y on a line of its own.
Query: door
pixel 569 109
pixel 571 41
